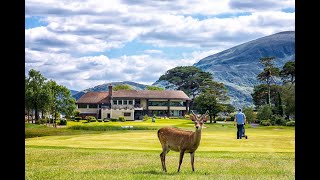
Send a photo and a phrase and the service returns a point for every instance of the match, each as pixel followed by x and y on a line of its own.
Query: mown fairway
pixel 268 153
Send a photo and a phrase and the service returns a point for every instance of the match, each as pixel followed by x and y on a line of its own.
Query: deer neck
pixel 197 137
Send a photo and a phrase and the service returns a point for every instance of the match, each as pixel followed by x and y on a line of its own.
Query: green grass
pixel 63 153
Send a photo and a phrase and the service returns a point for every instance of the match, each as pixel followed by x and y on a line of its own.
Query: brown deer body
pixel 181 141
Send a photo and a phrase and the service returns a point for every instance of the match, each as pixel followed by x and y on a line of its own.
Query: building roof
pixel 101 97
pixel 150 94
pixel 93 97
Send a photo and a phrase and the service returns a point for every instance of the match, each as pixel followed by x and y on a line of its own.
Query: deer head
pixel 199 119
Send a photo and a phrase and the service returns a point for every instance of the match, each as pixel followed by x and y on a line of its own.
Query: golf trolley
pixel 244 133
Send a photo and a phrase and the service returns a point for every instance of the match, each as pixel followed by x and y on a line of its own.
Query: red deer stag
pixel 180 140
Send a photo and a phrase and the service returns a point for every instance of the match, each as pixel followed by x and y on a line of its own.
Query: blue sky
pixel 81 44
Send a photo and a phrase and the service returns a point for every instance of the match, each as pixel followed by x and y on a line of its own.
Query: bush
pixel 41 121
pixel 145 117
pixel 77 119
pixel 290 123
pixel 105 120
pixel 62 122
pixel 113 119
pixel 99 120
pixel 265 122
pixel 219 118
pixel 122 119
pixel 264 112
pixel 187 116
pixel 277 120
pixel 91 119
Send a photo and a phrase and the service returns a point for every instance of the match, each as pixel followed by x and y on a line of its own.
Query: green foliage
pixel 77 118
pixel 187 78
pixel 145 117
pixel 187 116
pixel 290 123
pixel 122 87
pixel 113 119
pixel 90 119
pixel 108 128
pixel 62 122
pixel 265 122
pixel 41 121
pixel 250 114
pixel 154 88
pixel 264 112
pixel 277 120
pixel 122 119
pixel 288 71
pixel 174 117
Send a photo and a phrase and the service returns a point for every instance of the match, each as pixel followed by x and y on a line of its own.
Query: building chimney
pixel 110 90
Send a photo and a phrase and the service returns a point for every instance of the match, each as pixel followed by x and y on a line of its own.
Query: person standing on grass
pixel 240 119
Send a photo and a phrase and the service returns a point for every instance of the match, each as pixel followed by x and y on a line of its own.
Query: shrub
pixel 41 121
pixel 290 123
pixel 264 112
pixel 105 120
pixel 113 119
pixel 99 120
pixel 219 118
pixel 62 122
pixel 187 116
pixel 77 119
pixel 265 122
pixel 277 120
pixel 91 119
pixel 145 117
pixel 122 119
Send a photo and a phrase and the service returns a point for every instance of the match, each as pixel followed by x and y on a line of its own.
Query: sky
pixel 84 43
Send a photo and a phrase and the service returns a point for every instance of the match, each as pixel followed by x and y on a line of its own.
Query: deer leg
pixel 163 158
pixel 192 160
pixel 180 159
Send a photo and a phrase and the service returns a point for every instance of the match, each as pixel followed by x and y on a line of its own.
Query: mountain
pixel 73 92
pixel 239 66
pixel 104 87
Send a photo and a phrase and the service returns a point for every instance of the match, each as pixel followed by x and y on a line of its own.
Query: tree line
pixel 46 98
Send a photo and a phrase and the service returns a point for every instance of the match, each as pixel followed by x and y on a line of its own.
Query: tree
pixel 268 74
pixel 250 115
pixel 287 73
pixel 260 94
pixel 264 112
pixel 34 92
pixel 208 101
pixel 61 100
pixel 154 88
pixel 193 81
pixel 189 79
pixel 122 87
pixel 289 99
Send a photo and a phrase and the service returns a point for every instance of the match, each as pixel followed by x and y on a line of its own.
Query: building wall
pixel 88 110
pixel 116 113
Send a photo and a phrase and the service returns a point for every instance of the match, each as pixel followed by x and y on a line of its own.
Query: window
pixel 93 105
pixel 130 102
pixel 126 114
pixel 115 102
pixel 82 105
pixel 157 103
pixel 125 102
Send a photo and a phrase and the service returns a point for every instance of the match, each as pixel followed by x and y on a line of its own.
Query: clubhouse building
pixel 133 104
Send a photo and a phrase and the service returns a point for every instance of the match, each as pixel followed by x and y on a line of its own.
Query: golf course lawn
pixel 63 153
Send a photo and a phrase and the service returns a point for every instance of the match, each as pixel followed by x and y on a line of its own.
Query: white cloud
pixel 71 47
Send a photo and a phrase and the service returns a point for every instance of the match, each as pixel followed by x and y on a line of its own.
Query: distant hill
pixel 239 66
pixel 73 92
pixel 104 87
